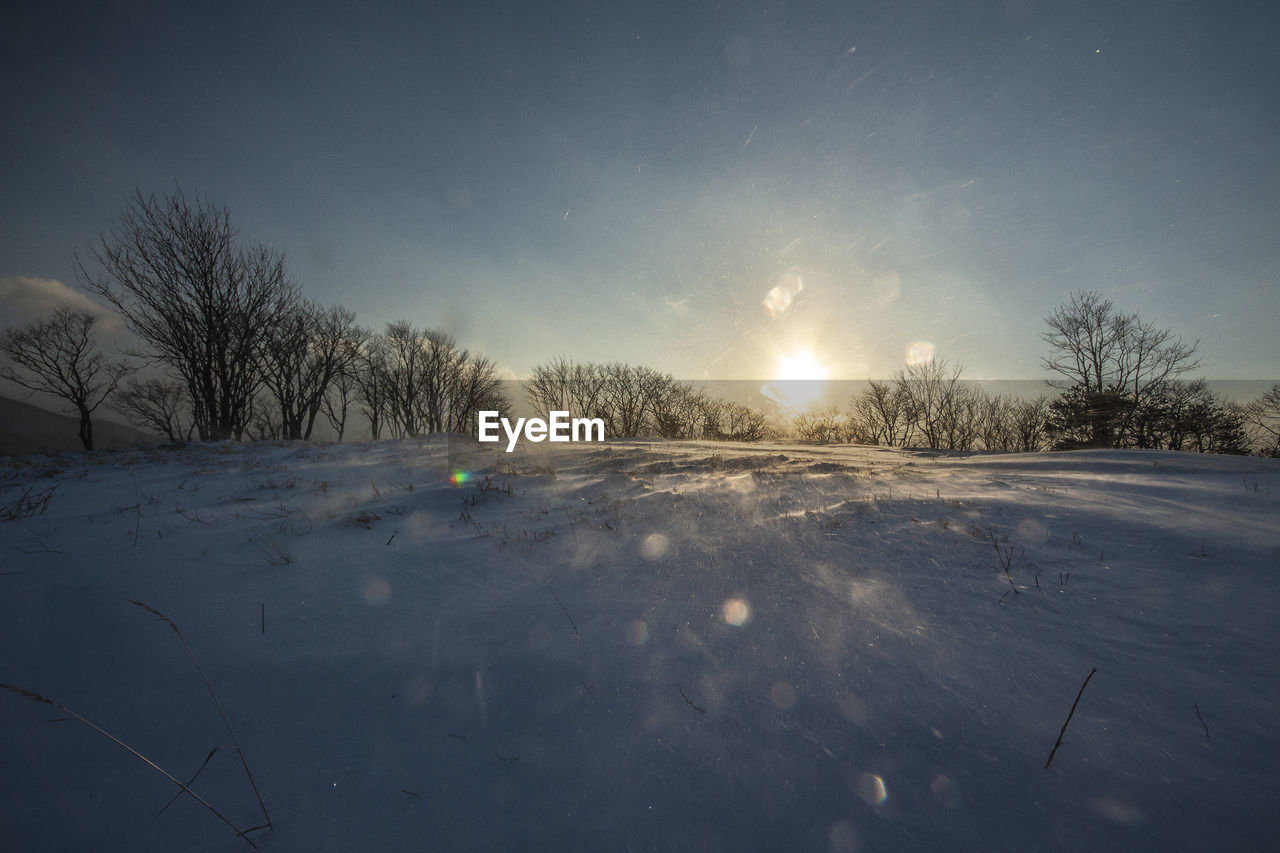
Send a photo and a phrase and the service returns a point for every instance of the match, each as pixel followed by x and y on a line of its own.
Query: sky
pixel 719 191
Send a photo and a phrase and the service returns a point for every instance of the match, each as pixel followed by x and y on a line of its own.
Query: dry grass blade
pixel 272 548
pixel 192 781
pixel 253 783
pixel 36 697
pixel 1071 714
pixel 29 503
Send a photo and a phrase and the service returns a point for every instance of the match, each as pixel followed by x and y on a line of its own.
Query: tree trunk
pixel 86 429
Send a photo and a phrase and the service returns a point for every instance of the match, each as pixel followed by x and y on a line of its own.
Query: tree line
pixel 239 352
pixel 928 405
pixel 640 402
pixel 1120 385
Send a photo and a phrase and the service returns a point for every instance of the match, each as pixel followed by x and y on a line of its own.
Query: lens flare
pixel 1120 812
pixel 376 590
pixel 780 297
pixel 871 788
pixel 920 352
pixel 638 633
pixel 736 612
pixel 654 547
pixel 945 790
pixel 458 477
pixel 842 837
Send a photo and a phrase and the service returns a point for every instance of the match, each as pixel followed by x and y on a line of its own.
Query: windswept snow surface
pixel 643 646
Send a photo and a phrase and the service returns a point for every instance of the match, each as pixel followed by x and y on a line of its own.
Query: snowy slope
pixel 643 646
pixel 26 428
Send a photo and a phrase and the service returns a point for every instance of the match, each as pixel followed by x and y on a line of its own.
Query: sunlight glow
pixel 798 381
pixel 800 366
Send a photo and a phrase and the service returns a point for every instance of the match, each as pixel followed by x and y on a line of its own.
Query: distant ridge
pixel 26 428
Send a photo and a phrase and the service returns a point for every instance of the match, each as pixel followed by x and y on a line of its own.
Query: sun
pixel 800 366
pixel 798 380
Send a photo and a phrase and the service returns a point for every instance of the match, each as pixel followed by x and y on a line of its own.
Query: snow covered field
pixel 642 646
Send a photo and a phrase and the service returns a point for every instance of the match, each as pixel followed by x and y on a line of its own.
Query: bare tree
pixel 1189 416
pixel 418 380
pixel 403 370
pixel 372 375
pixel 58 356
pixel 731 421
pixel 931 393
pixel 1263 419
pixel 627 398
pixel 262 420
pixel 1086 338
pixel 565 385
pixel 825 426
pixel 548 387
pixel 995 422
pixel 199 299
pixel 743 423
pixel 639 401
pixel 961 417
pixel 302 355
pixel 442 371
pixel 680 411
pixel 154 404
pixel 881 414
pixel 475 387
pixel 343 391
pixel 1112 362
pixel 1028 420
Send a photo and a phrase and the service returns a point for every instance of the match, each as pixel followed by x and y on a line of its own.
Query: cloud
pixel 26 298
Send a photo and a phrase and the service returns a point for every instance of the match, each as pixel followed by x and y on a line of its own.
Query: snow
pixel 642 646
